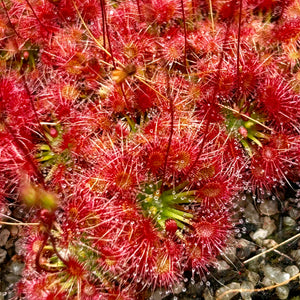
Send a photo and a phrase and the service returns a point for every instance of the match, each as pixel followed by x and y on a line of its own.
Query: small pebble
pixel 9 243
pixel 294 213
pixel 269 243
pixel 4 235
pixel 267 281
pixel 282 292
pixel 11 278
pixel 11 293
pixel 16 268
pixel 2 255
pixel 245 248
pixel 296 255
pixel 269 225
pixel 254 266
pixel 288 221
pixel 260 234
pixel 269 207
pixel 253 277
pixel 247 285
pixel 222 265
pixel 292 270
pixel 19 246
pixel 230 253
pixel 14 230
pixel 251 214
pixel 231 286
pixel 275 274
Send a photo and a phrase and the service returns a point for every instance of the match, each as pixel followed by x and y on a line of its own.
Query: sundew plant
pixel 129 129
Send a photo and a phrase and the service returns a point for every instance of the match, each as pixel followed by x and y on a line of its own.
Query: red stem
pixel 185 34
pixel 238 73
pixel 34 13
pixel 170 136
pixel 38 265
pixel 103 8
pixel 35 111
pixel 103 22
pixel 55 250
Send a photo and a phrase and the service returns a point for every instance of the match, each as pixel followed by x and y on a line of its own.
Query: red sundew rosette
pixel 217 192
pixel 277 99
pixel 207 237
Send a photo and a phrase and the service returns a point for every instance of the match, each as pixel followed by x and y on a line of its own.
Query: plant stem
pixel 170 136
pixel 238 73
pixel 185 34
pixel 34 13
pixel 211 15
pixel 35 111
pixel 103 23
pixel 271 249
pixel 19 224
pixel 103 8
pixel 176 216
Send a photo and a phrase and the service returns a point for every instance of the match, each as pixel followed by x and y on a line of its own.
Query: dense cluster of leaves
pixel 128 128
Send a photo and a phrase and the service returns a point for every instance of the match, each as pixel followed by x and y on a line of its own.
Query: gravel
pixel 11 265
pixel 263 227
pixel 269 207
